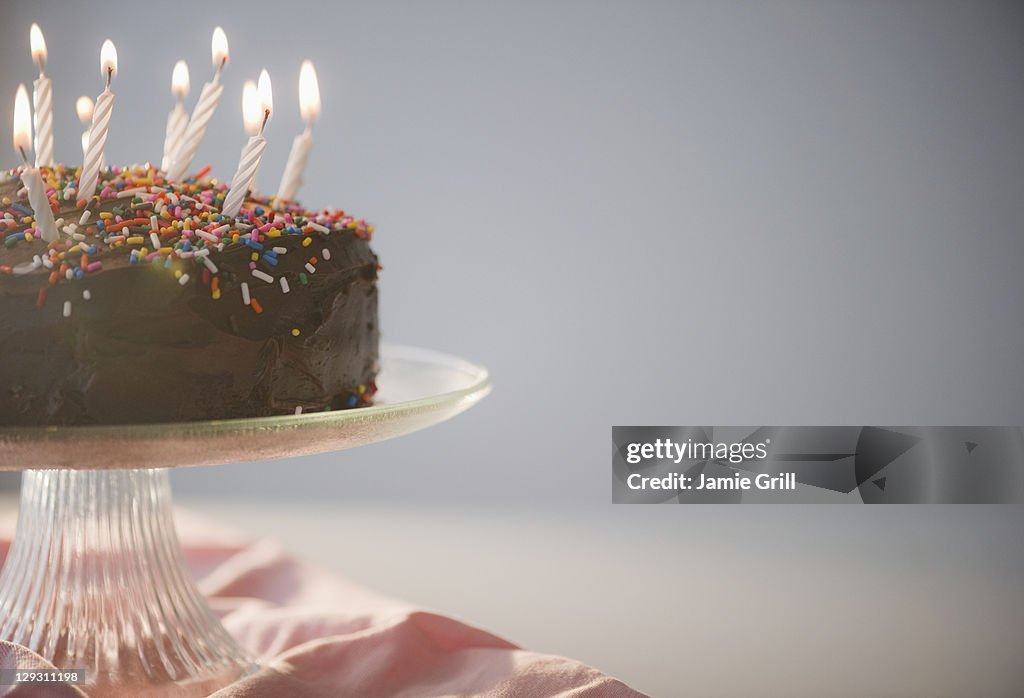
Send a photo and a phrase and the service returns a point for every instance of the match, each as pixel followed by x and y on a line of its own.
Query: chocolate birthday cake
pixel 150 307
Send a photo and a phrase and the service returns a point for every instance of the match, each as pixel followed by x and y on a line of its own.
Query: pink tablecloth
pixel 319 636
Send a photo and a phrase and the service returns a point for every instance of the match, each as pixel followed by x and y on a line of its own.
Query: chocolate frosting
pixel 148 347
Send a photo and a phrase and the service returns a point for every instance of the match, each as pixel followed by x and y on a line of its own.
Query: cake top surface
pixel 140 218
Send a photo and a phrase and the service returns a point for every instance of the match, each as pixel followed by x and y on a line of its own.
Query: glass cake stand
pixel 95 577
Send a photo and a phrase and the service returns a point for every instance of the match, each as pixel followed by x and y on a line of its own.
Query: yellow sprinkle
pixel 361 389
pixel 28 237
pixel 27 219
pixel 177 273
pixel 273 233
pixel 106 216
pixel 135 240
pixel 142 251
pixel 234 237
pixel 216 294
pixel 370 228
pixel 295 332
pixel 306 242
pixel 7 201
pixel 254 256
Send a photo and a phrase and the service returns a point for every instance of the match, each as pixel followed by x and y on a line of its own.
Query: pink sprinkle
pixel 177 211
pixel 149 257
pixel 264 228
pixel 105 192
pixel 94 266
pixel 252 265
pixel 118 219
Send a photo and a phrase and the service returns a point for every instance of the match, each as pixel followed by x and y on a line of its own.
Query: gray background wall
pixel 631 212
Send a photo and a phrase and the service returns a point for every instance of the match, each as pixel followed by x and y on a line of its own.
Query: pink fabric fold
pixel 318 636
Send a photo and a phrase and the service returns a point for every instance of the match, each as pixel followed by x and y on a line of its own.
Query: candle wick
pixel 24 157
pixel 110 76
pixel 216 74
pixel 266 116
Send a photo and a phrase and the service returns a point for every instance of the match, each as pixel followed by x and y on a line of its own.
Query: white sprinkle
pixel 77 236
pixel 86 214
pixel 173 198
pixel 298 409
pixel 310 268
pixel 47 263
pixel 209 237
pixel 154 223
pixel 280 250
pixel 284 285
pixel 245 293
pixel 69 274
pixel 220 229
pixel 319 228
pixel 160 208
pixel 155 239
pixel 59 222
pixel 325 253
pixel 87 294
pixel 205 252
pixel 126 193
pixel 26 267
pixel 185 254
pixel 209 263
pixel 262 275
pixel 67 308
pixel 183 280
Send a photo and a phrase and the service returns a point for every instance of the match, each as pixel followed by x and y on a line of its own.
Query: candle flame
pixel 179 80
pixel 85 141
pixel 108 59
pixel 22 121
pixel 38 44
pixel 219 47
pixel 83 105
pixel 309 92
pixel 252 114
pixel 266 94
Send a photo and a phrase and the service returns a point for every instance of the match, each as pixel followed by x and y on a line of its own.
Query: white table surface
pixel 704 601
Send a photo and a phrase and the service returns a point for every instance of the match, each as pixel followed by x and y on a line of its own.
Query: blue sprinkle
pixel 19 207
pixel 270 260
pixel 352 400
pixel 79 272
pixel 186 246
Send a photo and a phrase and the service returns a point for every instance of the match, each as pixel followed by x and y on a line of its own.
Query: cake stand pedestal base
pixel 95 581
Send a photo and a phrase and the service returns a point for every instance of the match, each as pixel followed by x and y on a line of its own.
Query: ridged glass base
pixel 95 580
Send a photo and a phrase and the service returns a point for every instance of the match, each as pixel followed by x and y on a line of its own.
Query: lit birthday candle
pixel 177 120
pixel 203 112
pixel 100 123
pixel 37 198
pixel 252 116
pixel 42 100
pixel 249 161
pixel 309 106
pixel 84 107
